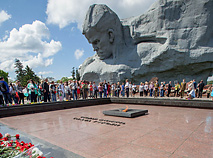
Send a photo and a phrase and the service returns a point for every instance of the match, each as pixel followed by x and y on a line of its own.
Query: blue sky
pixel 46 34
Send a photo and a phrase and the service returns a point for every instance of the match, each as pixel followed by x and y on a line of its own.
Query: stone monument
pixel 172 40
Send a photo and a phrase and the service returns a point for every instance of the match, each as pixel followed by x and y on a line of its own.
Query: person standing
pixel 123 90
pixel 156 86
pixel 40 93
pixel 195 87
pixel 67 91
pixel 134 88
pixel 127 88
pixel 177 89
pixel 169 88
pixel 212 92
pixel 109 89
pixel 53 91
pixel 61 91
pixel 5 90
pixel 130 88
pixel 46 90
pixel 12 91
pixel 208 91
pixel 74 89
pixel 151 86
pixel 90 89
pixel 113 89
pixel 32 91
pixel 105 87
pixel 200 90
pixel 118 89
pixel 182 88
pixel 161 89
pixel 100 89
pixel 78 90
pixel 84 89
pixel 141 89
pixel 19 89
pixel 146 88
pixel 95 90
pixel 1 98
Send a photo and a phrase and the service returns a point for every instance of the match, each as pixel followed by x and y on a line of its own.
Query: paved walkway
pixel 166 132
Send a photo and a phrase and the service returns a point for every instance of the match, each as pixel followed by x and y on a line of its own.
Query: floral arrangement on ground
pixel 13 147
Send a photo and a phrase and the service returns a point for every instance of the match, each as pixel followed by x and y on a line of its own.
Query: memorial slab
pixel 130 113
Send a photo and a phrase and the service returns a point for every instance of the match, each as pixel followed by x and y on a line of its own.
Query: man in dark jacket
pixel 105 87
pixel 5 90
pixel 1 98
pixel 200 86
pixel 46 90
pixel 169 88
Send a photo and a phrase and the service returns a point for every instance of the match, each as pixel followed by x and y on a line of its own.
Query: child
pixel 191 94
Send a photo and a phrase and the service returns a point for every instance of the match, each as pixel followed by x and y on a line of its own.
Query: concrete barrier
pixel 43 107
pixel 165 102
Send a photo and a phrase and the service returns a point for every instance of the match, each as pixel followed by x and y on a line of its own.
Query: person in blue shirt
pixel 1 98
pixel 5 90
pixel 195 87
pixel 123 90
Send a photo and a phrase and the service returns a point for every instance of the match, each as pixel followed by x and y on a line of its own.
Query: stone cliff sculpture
pixel 173 40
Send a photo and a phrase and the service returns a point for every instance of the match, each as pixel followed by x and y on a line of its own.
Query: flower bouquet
pixel 12 147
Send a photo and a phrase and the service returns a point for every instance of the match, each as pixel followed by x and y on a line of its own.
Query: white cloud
pixel 4 16
pixel 79 53
pixel 28 44
pixel 64 12
pixel 45 72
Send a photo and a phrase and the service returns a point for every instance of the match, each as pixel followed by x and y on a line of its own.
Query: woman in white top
pixel 130 88
pixel 12 92
pixel 146 87
pixel 67 91
pixel 141 89
pixel 161 89
pixel 113 89
pixel 134 87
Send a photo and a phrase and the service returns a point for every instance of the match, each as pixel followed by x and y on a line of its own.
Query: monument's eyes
pixel 96 42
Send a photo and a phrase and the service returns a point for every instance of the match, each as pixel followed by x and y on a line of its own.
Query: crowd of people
pixel 15 93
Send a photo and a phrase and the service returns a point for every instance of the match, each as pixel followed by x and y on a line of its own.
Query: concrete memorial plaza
pixel 79 132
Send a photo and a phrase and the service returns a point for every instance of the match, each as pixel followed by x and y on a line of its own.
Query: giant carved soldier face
pixel 102 28
pixel 102 42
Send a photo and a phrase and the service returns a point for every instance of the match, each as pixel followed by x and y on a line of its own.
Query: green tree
pixel 20 73
pixel 5 75
pixel 78 77
pixel 29 74
pixel 64 79
pixel 73 73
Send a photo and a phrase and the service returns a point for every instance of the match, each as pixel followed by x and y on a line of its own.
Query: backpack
pixel 3 87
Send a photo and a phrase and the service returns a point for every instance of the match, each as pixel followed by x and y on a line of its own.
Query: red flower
pixel 1 135
pixel 5 138
pixel 17 136
pixel 9 144
pixel 23 149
